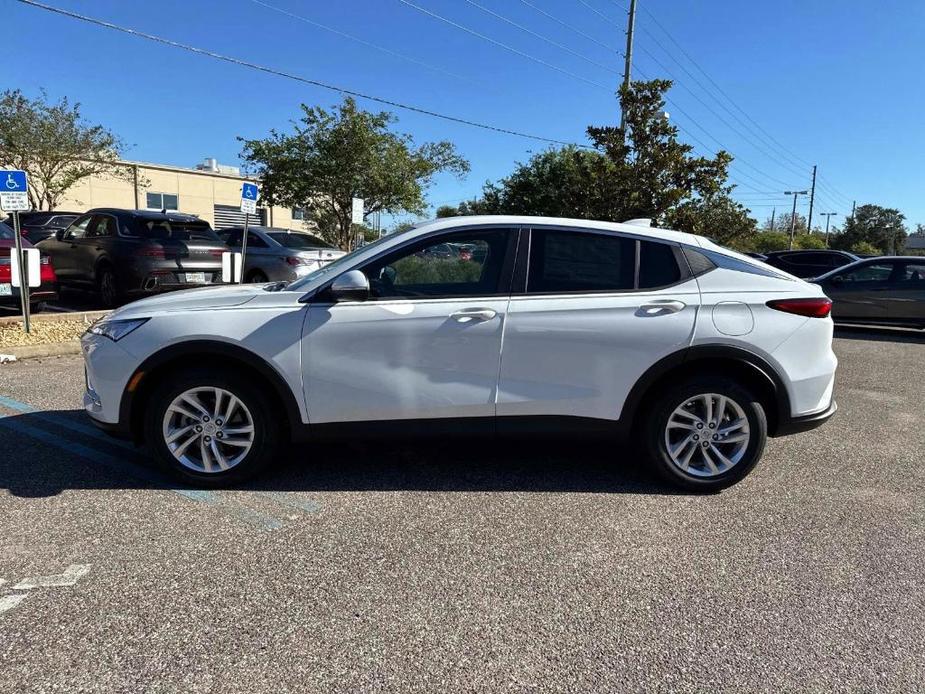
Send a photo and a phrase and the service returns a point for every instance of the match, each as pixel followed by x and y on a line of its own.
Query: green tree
pixel 333 156
pixel 642 170
pixel 767 241
pixel 882 227
pixel 808 241
pixel 864 248
pixel 55 146
pixel 447 211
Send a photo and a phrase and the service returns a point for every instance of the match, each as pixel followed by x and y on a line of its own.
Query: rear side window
pixel 574 261
pixel 5 232
pixel 658 266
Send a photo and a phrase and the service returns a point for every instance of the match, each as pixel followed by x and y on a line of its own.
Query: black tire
pixel 268 432
pixel 660 412
pixel 107 287
pixel 257 277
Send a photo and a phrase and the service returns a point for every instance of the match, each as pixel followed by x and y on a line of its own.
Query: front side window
pixel 163 201
pixel 103 226
pixel 78 229
pixel 575 261
pixel 912 274
pixel 867 274
pixel 463 264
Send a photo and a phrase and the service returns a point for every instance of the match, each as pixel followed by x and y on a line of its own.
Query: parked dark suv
pixel 809 263
pixel 126 253
pixel 38 226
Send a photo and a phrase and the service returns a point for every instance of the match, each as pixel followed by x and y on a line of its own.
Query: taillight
pixel 151 252
pixel 812 308
pixel 216 252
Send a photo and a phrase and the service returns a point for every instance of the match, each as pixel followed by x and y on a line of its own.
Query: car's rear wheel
pixel 212 428
pixel 707 434
pixel 257 277
pixel 107 287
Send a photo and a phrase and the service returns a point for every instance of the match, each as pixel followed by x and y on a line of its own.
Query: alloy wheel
pixel 707 435
pixel 208 429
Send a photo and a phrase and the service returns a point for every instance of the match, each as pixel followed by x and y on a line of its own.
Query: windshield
pixel 334 267
pixel 297 239
pixel 6 233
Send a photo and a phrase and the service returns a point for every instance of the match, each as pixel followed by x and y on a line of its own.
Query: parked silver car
pixel 279 254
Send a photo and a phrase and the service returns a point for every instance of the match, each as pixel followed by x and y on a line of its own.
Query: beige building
pixel 209 191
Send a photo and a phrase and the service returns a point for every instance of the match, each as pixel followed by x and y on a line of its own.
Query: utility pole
pixel 773 213
pixel 793 215
pixel 828 216
pixel 854 204
pixel 812 199
pixel 628 65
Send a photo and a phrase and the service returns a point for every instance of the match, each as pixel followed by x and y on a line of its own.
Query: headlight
pixel 115 330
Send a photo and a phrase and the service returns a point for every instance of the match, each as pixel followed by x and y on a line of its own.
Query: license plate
pixel 197 277
pixel 6 290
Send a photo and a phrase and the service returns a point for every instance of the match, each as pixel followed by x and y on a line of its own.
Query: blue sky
pixel 835 83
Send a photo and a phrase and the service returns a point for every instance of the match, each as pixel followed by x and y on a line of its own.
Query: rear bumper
pixel 796 425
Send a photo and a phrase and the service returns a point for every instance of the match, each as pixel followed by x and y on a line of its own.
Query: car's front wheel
pixel 211 427
pixel 706 434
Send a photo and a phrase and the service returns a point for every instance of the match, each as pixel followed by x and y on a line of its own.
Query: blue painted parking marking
pixel 250 516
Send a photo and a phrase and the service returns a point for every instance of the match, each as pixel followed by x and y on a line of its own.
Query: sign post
pixel 356 214
pixel 14 197
pixel 249 195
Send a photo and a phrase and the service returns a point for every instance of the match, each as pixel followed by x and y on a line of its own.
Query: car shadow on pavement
pixel 872 334
pixel 47 452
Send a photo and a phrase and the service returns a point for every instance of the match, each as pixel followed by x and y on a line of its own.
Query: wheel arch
pixel 746 367
pixel 212 353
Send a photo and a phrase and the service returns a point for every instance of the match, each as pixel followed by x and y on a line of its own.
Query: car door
pixel 65 252
pixel 858 293
pixel 904 299
pixel 597 309
pixel 425 345
pixel 94 245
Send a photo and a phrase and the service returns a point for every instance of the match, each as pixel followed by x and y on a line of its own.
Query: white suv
pixel 493 325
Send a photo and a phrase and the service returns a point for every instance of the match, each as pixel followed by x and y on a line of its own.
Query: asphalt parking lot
pixel 468 566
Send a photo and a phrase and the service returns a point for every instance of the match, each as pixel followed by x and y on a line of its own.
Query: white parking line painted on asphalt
pixel 8 602
pixel 68 577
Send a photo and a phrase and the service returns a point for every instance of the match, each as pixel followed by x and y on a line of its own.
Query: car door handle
pixel 473 314
pixel 654 308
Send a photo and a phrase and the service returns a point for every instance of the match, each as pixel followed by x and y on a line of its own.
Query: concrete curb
pixel 85 316
pixel 55 349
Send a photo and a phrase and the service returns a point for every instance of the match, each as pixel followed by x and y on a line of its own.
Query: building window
pixel 163 201
pixel 298 213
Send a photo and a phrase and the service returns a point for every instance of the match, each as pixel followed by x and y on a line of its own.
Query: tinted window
pixel 102 226
pixel 298 240
pixel 432 268
pixel 61 220
pixel 230 236
pixel 875 272
pixel 78 228
pixel 575 261
pixel 254 241
pixel 657 265
pixel 164 229
pixel 5 232
pixel 912 273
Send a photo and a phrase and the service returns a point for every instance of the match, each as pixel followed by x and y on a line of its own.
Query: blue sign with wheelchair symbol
pixel 249 191
pixel 15 181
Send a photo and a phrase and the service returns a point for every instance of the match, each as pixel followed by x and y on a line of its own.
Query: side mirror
pixel 59 234
pixel 351 286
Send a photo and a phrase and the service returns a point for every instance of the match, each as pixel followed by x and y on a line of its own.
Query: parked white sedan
pixel 542 325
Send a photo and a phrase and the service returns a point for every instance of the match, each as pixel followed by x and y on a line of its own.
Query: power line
pixel 286 75
pixel 578 31
pixel 359 40
pixel 506 47
pixel 540 36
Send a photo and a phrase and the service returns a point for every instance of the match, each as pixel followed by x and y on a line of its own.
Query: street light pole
pixel 793 215
pixel 627 66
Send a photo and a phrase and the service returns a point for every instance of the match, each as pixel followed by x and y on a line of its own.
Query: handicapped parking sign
pixel 249 195
pixel 14 191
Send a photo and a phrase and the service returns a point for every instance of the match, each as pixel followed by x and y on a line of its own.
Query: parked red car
pixel 9 295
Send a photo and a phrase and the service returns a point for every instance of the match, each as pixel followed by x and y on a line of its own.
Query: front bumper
pixel 796 425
